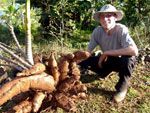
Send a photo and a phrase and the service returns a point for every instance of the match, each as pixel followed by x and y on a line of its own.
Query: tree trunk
pixel 28 34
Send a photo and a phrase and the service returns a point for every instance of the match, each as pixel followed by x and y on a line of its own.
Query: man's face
pixel 108 20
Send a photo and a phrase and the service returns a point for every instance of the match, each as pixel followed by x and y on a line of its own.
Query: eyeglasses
pixel 107 15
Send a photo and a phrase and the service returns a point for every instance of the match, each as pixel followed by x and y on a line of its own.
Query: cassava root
pixel 59 76
pixel 23 84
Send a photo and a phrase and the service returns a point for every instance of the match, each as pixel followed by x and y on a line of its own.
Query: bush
pixel 141 33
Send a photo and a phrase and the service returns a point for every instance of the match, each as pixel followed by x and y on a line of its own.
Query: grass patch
pixel 100 93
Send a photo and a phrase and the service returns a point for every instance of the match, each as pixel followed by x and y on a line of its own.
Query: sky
pixel 1 12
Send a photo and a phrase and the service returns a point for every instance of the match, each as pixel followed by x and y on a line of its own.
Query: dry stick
pixel 11 61
pixel 138 38
pixel 11 66
pixel 51 33
pixel 15 56
pixel 9 47
pixel 14 37
pixel 60 41
pixel 5 45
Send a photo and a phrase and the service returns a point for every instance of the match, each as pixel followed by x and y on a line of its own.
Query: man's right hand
pixel 102 58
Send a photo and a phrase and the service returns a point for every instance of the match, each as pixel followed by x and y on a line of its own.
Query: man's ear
pixel 115 19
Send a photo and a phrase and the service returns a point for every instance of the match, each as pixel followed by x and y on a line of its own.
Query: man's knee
pixel 128 62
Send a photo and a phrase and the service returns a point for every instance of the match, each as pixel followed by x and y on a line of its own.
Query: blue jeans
pixel 124 65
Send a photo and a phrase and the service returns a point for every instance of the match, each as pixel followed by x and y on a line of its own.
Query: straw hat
pixel 108 8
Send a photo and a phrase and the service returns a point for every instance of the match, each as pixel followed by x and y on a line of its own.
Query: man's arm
pixel 129 51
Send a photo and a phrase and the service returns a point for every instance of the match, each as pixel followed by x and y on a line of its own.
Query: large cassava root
pixel 70 88
pixel 60 77
pixel 23 84
pixel 23 107
pixel 36 69
pixel 37 101
pixel 53 68
pixel 81 55
pixel 23 96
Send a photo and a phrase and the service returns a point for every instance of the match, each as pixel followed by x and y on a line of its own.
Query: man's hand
pixel 102 58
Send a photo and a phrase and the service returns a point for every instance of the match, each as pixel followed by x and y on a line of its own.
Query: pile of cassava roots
pixel 55 83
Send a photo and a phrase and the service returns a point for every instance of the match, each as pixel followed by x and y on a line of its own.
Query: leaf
pixel 87 4
pixel 54 2
pixel 84 4
pixel 71 1
pixel 53 13
pixel 45 16
pixel 12 7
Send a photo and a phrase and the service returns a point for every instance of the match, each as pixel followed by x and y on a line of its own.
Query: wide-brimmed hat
pixel 108 8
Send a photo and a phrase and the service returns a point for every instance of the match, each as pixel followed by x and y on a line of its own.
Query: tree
pixel 20 64
pixel 28 34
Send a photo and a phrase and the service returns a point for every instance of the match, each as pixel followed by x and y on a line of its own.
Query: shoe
pixel 119 96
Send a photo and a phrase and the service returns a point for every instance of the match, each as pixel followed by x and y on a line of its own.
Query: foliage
pixel 134 10
pixel 141 32
pixel 63 19
pixel 15 15
pixel 4 34
pixel 59 23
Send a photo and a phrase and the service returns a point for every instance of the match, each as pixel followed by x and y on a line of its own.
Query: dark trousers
pixel 124 65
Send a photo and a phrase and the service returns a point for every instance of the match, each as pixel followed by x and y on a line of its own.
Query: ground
pixel 100 93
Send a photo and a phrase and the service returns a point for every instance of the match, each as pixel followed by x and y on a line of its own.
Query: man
pixel 119 49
